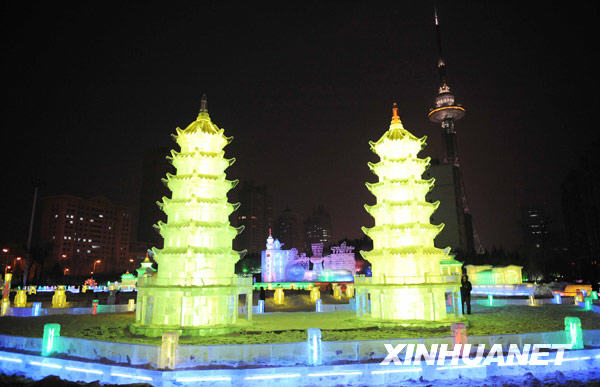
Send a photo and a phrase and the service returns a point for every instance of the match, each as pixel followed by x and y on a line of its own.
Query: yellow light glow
pixel 4 306
pixel 21 299
pixel 59 299
pixel 131 305
pixel 349 290
pixel 337 292
pixel 315 294
pixel 279 296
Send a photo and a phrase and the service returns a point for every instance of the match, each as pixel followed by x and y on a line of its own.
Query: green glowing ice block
pixel 573 332
pixel 50 338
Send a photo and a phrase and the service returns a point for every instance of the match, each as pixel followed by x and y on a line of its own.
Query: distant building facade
pixel 279 265
pixel 580 197
pixel 318 228
pixel 85 234
pixel 155 167
pixel 289 229
pixel 534 226
pixel 255 214
pixel 544 247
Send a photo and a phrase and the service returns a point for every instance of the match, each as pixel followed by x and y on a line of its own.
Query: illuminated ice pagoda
pixel 411 279
pixel 195 290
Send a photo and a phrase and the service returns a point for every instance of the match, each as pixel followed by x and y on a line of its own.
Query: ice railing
pixel 385 279
pixel 234 281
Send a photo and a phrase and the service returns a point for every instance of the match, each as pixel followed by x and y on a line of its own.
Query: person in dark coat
pixel 465 293
pixel 262 295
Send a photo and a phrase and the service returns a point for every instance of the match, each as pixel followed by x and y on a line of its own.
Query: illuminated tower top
pixel 445 111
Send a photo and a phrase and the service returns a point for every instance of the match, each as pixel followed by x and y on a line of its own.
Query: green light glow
pixel 195 290
pixel 573 332
pixel 408 280
pixel 284 285
pixel 51 335
pixel 499 275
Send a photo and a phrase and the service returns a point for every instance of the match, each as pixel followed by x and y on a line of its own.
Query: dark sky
pixel 89 87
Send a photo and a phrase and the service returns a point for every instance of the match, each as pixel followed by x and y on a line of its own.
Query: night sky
pixel 90 87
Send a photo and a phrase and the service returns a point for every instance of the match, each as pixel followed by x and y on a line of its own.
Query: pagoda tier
pixel 195 290
pixel 407 278
pixel 390 212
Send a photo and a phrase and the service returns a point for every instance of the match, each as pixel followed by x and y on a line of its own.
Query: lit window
pixel 100 216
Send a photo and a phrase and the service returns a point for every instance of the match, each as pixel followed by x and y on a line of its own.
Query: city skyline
pixel 301 103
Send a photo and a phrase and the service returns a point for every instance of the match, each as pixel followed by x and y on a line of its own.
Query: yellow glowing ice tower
pixel 195 290
pixel 411 279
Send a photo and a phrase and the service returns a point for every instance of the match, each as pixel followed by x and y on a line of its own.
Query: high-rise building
pixel 154 167
pixel 86 235
pixel 536 241
pixel 534 223
pixel 289 229
pixel 581 215
pixel 255 214
pixel 317 228
pixel 457 216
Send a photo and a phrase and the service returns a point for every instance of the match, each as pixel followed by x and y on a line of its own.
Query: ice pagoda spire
pixel 203 107
pixel 395 117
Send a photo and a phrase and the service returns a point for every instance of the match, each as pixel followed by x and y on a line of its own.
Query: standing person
pixel 465 293
pixel 262 295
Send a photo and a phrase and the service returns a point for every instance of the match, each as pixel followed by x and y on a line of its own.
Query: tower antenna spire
pixel 441 63
pixel 446 112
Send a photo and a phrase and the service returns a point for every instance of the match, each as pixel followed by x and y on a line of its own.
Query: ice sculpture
pixel 195 290
pixel 410 276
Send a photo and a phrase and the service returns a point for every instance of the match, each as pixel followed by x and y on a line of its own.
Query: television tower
pixel 445 112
